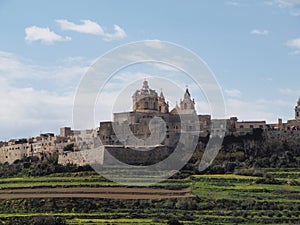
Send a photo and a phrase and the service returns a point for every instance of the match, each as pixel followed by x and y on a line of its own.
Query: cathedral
pixel 146 105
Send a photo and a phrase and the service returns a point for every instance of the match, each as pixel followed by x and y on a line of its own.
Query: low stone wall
pixel 291 136
pixel 83 157
pixel 137 155
pixel 129 155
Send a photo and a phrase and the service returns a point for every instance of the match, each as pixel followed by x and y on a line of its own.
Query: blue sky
pixel 253 48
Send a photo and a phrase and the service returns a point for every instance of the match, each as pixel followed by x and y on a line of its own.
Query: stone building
pixel 40 146
pixel 244 127
pixel 150 111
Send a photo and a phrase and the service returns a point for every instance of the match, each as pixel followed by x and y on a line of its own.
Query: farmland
pixel 88 198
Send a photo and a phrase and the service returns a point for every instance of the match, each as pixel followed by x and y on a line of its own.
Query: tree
pixel 174 221
pixel 69 147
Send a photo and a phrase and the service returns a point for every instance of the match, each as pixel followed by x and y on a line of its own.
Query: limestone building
pixel 149 110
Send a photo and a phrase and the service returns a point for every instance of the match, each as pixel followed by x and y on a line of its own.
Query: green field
pixel 217 199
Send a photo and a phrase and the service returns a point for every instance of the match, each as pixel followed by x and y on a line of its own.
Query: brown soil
pixel 95 192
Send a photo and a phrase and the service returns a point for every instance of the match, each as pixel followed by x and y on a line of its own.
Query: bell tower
pixel 163 106
pixel 187 105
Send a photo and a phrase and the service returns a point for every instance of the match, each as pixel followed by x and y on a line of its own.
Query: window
pixel 261 126
pixel 185 106
pixel 241 126
pixel 146 105
pixel 251 126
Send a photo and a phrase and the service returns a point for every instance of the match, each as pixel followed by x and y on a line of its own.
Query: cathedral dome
pixel 145 90
pixel 145 99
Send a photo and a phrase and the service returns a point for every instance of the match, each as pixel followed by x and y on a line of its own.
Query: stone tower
pixel 187 105
pixel 163 107
pixel 145 99
pixel 297 111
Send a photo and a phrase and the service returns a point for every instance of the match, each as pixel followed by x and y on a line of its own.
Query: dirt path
pixel 98 192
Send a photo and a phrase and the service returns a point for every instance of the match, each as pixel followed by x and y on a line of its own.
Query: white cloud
pixel 231 3
pixel 259 32
pixel 74 59
pixel 165 67
pixel 295 43
pixel 154 44
pixel 35 98
pixel 87 27
pixel 91 27
pixel 290 92
pixel 260 109
pixel 21 72
pixel 295 13
pixel 26 111
pixel 269 3
pixel 286 3
pixel 233 92
pixel 119 34
pixel 295 52
pixel 45 35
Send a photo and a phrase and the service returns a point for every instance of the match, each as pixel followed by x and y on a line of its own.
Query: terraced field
pixel 94 192
pixel 87 198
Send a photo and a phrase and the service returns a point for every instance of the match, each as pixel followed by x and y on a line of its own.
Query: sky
pixel 46 47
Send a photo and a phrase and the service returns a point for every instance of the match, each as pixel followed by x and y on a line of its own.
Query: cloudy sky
pixel 253 48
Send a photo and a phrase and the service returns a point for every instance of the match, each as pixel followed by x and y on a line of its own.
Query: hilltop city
pixel 147 104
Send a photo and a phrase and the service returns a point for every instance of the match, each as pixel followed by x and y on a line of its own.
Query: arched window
pixel 146 105
pixel 185 106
